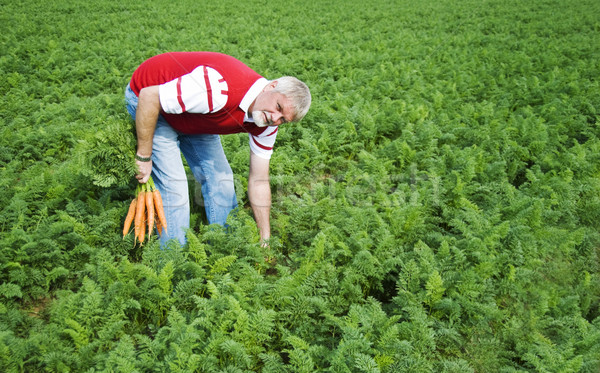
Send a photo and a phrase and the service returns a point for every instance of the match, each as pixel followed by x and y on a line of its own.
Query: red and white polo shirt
pixel 206 92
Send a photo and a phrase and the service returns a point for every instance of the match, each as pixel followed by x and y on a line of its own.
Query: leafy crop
pixel 437 210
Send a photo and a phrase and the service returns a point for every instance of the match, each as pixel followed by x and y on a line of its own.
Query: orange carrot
pixel 139 215
pixel 150 209
pixel 158 225
pixel 158 205
pixel 129 217
pixel 160 211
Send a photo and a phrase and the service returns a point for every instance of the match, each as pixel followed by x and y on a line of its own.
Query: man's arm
pixel 259 194
pixel 145 123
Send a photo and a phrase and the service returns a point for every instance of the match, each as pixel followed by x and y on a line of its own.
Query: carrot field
pixel 437 210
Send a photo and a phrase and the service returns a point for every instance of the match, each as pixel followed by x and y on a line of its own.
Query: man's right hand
pixel 144 171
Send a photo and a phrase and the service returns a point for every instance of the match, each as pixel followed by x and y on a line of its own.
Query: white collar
pixel 252 93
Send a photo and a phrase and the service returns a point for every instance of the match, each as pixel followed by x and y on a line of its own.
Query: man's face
pixel 271 108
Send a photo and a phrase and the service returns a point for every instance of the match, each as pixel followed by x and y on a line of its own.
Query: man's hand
pixel 144 171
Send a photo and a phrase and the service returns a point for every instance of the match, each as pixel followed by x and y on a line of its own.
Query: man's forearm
pixel 145 121
pixel 145 124
pixel 259 193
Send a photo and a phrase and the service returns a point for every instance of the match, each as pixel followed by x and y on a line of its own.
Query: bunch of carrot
pixel 145 210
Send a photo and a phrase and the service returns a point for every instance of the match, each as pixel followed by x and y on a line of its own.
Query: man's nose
pixel 276 116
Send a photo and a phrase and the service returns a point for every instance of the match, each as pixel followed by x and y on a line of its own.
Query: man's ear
pixel 270 86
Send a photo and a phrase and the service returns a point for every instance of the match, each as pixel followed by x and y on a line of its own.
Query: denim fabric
pixel 206 159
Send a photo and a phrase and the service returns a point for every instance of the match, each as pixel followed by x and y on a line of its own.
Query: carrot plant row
pixel 449 223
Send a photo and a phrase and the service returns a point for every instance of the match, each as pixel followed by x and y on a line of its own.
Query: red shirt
pixel 201 92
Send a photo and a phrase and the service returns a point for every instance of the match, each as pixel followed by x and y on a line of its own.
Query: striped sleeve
pixel 202 91
pixel 262 145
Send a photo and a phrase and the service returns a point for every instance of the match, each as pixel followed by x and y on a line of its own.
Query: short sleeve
pixel 202 91
pixel 262 144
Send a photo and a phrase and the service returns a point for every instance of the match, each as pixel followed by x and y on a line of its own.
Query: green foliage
pixel 437 210
pixel 107 157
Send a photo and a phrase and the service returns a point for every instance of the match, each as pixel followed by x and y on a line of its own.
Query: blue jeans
pixel 206 159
